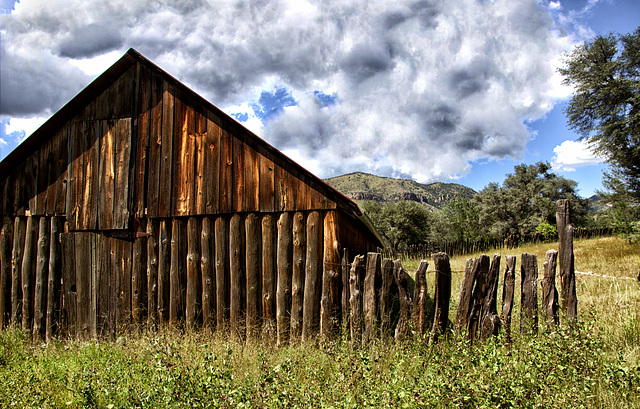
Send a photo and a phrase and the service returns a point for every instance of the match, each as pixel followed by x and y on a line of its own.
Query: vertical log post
pixel 568 299
pixel 355 300
pixel 529 293
pixel 330 302
pixel 178 266
pixel 268 277
pixel 236 276
pixel 6 241
pixel 490 322
pixel 28 272
pixel 442 295
pixel 19 232
pixel 420 297
pixel 481 272
pixel 152 273
pixel 386 269
pixel 42 272
pixel 344 273
pixel 313 273
pixel 193 296
pixel 298 271
pixel 207 272
pixel 54 281
pixel 507 294
pixel 369 297
pixel 138 279
pixel 284 266
pixel 164 269
pixel 401 276
pixel 549 292
pixel 466 293
pixel 222 270
pixel 253 266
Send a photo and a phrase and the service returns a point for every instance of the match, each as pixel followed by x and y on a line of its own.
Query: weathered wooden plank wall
pixel 248 271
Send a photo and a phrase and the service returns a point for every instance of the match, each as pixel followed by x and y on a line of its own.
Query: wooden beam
pixel 386 270
pixel 164 270
pixel 237 276
pixel 313 272
pixel 153 229
pixel 194 294
pixel 6 241
pixel 268 276
pixel 207 269
pixel 401 276
pixel 28 272
pixel 529 293
pixel 42 270
pixel 54 280
pixel 549 292
pixel 222 271
pixel 330 301
pixel 253 265
pixel 507 294
pixel 420 298
pixel 177 299
pixel 369 297
pixel 298 271
pixel 442 295
pixel 19 233
pixel 284 266
pixel 355 300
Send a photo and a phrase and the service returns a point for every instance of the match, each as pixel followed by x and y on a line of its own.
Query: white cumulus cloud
pixel 572 154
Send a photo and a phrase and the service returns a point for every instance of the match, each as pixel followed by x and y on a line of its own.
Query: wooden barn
pixel 140 204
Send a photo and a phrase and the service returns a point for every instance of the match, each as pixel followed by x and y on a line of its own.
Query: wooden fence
pixel 255 275
pixel 462 247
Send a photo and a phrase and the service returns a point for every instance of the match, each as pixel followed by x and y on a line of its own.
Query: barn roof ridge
pixel 115 71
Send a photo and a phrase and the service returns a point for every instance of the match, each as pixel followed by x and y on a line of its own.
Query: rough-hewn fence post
pixel 569 301
pixel 549 292
pixel 442 295
pixel 507 294
pixel 355 300
pixel 529 293
pixel 283 292
pixel 420 298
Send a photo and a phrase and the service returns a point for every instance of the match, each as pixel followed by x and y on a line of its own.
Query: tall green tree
pixel 605 108
pixel 526 198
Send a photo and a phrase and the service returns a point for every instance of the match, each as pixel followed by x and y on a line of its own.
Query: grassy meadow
pixel 597 365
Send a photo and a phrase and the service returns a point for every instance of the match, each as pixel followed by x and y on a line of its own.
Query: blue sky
pixel 457 91
pixel 614 16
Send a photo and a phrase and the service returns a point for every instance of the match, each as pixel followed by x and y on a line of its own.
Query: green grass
pixel 597 365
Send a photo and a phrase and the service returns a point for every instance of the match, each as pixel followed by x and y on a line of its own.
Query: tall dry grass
pixel 596 365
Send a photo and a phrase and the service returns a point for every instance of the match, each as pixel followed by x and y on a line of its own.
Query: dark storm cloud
pixel 36 85
pixel 366 60
pixel 90 40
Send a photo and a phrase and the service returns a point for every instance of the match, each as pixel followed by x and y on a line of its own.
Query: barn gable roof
pixel 76 105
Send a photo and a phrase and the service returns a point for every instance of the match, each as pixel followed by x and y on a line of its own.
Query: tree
pixel 462 221
pixel 526 199
pixel 401 224
pixel 605 109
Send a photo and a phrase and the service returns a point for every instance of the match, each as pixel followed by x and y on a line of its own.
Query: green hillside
pixel 363 186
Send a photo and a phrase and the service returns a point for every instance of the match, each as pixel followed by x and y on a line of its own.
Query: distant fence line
pixel 463 247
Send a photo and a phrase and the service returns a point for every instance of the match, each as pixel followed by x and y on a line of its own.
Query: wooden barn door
pixel 96 284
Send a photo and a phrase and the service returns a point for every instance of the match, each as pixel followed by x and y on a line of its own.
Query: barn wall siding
pixel 173 158
pixel 108 283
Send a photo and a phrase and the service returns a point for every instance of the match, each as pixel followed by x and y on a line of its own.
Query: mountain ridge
pixel 359 186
